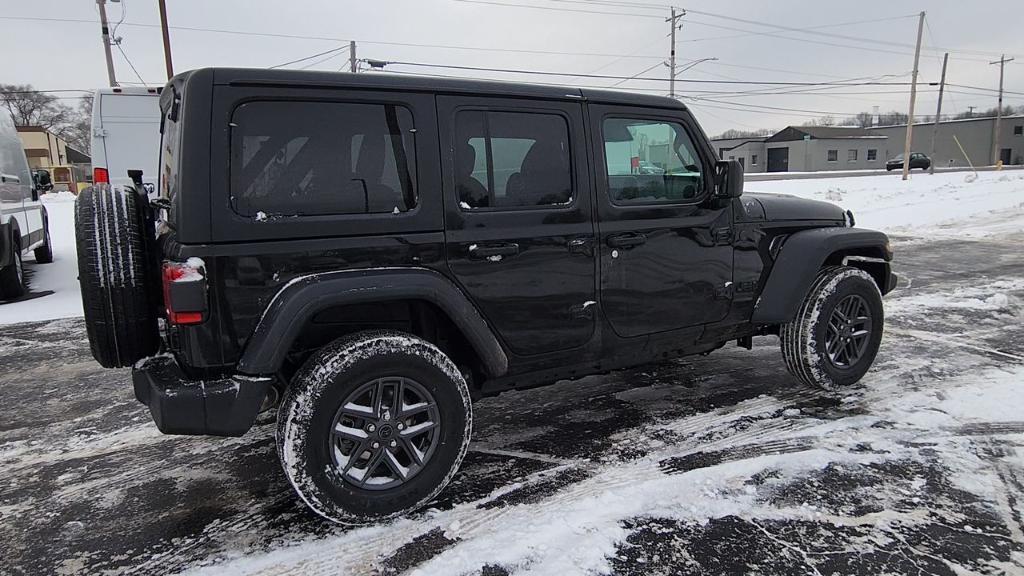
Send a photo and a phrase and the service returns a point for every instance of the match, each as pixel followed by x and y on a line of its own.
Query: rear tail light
pixel 100 176
pixel 184 287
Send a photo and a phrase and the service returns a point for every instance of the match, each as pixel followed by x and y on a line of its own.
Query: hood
pixel 786 207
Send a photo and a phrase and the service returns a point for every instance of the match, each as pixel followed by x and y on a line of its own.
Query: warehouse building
pixel 807 149
pixel 974 135
pixel 816 148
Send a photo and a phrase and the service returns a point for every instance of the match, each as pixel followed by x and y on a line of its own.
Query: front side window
pixel 650 162
pixel 512 159
pixel 851 155
pixel 317 158
pixel 833 155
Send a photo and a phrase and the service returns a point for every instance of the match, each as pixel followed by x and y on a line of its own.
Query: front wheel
pixel 374 425
pixel 12 277
pixel 834 338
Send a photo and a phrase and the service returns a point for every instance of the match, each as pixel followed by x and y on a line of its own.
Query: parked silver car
pixel 23 222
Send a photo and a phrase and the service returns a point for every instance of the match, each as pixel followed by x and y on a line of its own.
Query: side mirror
pixel 729 179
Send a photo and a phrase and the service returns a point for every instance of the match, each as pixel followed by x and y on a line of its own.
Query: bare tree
pixel 731 134
pixel 33 108
pixel 78 132
pixel 823 121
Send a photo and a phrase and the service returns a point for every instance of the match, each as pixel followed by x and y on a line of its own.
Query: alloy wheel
pixel 384 433
pixel 848 331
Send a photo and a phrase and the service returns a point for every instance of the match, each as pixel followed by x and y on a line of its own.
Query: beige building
pixel 42 147
pixel 68 168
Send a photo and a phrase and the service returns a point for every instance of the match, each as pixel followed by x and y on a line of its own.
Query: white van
pixel 126 136
pixel 23 222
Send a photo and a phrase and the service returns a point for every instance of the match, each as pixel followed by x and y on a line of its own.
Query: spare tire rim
pixel 384 433
pixel 848 331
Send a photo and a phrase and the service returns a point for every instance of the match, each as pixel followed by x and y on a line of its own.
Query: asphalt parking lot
pixel 718 465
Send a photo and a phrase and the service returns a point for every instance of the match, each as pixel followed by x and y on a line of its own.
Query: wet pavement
pixel 784 480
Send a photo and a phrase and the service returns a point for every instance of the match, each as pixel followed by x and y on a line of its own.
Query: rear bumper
pixel 222 407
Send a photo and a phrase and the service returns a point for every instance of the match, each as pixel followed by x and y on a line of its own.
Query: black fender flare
pixel 802 255
pixel 301 298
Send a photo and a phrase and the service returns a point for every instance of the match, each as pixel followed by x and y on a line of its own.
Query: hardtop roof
pixel 438 85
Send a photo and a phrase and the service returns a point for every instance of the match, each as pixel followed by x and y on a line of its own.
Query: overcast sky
pixel 827 45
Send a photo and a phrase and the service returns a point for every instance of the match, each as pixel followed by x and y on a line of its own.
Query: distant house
pixel 974 134
pixel 807 149
pixel 749 151
pixel 69 169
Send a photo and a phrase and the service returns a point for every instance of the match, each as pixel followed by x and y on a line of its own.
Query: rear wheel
pixel 373 426
pixel 115 275
pixel 44 253
pixel 835 336
pixel 12 276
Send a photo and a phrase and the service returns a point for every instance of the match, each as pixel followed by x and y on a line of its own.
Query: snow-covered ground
pixel 708 465
pixel 60 276
pixel 951 203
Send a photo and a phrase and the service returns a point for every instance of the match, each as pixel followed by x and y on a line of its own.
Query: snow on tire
pixel 115 274
pixel 357 453
pixel 835 336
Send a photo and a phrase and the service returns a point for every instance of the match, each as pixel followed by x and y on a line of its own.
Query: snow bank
pixel 60 276
pixel 953 203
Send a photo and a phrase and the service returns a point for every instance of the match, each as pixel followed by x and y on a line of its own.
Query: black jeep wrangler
pixel 370 253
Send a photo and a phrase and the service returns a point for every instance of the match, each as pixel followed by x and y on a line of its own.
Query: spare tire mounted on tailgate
pixel 115 275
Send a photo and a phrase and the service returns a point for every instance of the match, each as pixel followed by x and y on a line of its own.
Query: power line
pixel 126 59
pixel 985 89
pixel 802 30
pixel 556 9
pixel 613 77
pixel 320 61
pixel 310 57
pixel 644 71
pixel 334 39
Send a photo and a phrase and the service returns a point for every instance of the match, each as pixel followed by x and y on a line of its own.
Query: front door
pixel 664 244
pixel 519 230
pixel 778 159
pixel 1004 155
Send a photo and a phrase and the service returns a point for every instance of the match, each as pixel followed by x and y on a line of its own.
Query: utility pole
pixel 999 109
pixel 353 64
pixel 913 97
pixel 167 38
pixel 105 31
pixel 672 54
pixel 938 113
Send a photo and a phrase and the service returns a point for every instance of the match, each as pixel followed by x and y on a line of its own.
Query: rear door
pixel 130 133
pixel 664 244
pixel 519 230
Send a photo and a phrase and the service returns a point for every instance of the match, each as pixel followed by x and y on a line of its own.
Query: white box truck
pixel 126 137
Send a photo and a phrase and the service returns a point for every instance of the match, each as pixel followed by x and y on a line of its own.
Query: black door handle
pixel 627 240
pixel 481 251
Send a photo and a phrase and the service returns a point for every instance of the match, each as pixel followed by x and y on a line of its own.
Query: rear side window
pixel 650 162
pixel 317 158
pixel 512 159
pixel 170 138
